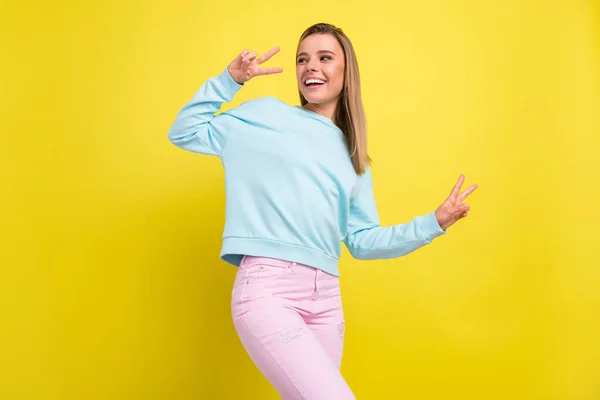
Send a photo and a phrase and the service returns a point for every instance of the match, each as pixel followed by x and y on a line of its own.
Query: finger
pixel 456 187
pixel 467 192
pixel 269 71
pixel 250 56
pixel 240 57
pixel 268 54
pixel 459 210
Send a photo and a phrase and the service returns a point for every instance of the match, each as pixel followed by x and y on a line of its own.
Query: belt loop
pixel 243 260
pixel 293 265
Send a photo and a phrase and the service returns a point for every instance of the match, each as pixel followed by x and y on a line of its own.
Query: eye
pixel 301 59
pixel 327 57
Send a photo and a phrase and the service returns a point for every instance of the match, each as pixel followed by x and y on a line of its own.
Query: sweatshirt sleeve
pixel 367 240
pixel 196 128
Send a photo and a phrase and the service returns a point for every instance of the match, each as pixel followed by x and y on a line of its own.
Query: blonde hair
pixel 349 114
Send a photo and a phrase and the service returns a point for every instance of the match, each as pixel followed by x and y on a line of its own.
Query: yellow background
pixel 111 286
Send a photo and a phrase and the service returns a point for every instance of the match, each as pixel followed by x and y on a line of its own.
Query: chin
pixel 311 98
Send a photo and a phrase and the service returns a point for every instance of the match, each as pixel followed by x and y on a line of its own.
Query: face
pixel 320 57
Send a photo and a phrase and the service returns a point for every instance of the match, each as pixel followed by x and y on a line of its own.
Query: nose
pixel 311 65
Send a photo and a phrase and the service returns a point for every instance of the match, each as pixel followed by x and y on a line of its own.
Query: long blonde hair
pixel 349 114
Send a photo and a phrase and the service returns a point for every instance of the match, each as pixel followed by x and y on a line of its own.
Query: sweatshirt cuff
pixel 430 227
pixel 226 82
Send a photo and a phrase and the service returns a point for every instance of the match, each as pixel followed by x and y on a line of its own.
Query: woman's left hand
pixel 452 209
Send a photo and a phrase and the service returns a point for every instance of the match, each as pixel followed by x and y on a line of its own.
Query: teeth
pixel 309 81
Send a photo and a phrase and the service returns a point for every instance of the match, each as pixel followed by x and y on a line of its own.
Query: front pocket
pixel 263 281
pixel 270 271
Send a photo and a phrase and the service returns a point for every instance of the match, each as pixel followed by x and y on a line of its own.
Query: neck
pixel 325 109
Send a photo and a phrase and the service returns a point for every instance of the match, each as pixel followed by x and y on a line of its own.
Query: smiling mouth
pixel 314 82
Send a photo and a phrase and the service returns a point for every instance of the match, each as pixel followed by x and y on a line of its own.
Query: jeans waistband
pixel 253 260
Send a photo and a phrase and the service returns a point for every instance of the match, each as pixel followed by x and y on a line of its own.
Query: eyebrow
pixel 320 51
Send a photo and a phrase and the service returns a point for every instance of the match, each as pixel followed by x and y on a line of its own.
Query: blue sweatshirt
pixel 291 190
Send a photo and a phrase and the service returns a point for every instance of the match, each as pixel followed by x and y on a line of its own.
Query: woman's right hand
pixel 246 66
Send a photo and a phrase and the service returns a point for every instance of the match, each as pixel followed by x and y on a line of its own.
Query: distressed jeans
pixel 290 320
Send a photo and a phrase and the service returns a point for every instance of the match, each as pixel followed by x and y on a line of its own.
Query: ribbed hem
pixel 234 248
pixel 430 228
pixel 226 82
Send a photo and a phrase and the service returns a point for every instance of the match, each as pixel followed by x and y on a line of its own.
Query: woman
pixel 298 183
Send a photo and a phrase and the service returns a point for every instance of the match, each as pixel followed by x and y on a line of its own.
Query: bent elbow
pixel 176 135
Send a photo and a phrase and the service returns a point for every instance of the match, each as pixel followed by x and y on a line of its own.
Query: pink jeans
pixel 290 320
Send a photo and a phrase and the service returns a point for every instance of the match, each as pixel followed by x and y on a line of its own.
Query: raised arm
pixel 196 127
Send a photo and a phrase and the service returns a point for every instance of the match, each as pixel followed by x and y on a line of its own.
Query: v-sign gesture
pixel 246 66
pixel 452 209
